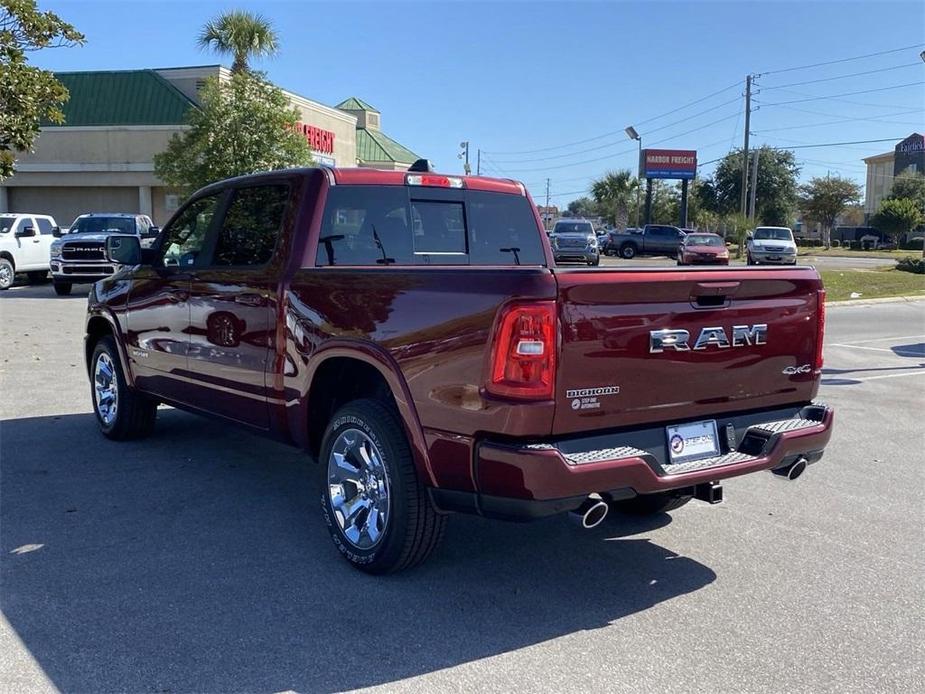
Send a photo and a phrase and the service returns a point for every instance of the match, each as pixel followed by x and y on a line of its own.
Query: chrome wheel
pixel 358 488
pixel 6 276
pixel 105 389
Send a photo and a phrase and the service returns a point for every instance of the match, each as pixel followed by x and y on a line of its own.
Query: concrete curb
pixel 909 298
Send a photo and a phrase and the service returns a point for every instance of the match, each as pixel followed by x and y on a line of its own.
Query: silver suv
pixel 574 240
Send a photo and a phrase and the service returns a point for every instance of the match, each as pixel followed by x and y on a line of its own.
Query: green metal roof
pixel 125 97
pixel 374 145
pixel 354 104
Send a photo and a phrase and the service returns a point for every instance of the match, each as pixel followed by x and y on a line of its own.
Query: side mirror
pixel 57 232
pixel 26 231
pixel 123 249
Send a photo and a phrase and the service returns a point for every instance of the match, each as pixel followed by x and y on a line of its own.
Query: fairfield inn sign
pixel 319 140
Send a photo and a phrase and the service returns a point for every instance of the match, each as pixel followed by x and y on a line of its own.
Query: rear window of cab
pixel 405 225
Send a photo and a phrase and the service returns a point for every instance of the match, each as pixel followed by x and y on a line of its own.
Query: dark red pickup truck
pixel 410 331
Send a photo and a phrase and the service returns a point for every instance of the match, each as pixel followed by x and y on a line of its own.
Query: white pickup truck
pixel 25 242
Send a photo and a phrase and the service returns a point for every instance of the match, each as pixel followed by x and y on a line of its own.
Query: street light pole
pixel 633 135
pixel 464 154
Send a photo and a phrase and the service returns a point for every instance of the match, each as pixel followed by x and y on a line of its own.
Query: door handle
pixel 249 299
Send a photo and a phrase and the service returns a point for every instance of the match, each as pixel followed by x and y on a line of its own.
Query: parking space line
pixel 875 378
pixel 884 339
pixel 903 353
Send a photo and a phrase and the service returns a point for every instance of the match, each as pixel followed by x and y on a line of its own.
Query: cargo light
pixel 434 181
pixel 523 358
pixel 820 329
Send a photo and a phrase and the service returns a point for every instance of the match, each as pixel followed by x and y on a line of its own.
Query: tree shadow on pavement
pixel 197 561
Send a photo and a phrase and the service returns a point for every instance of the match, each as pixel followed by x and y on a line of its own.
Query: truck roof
pixel 357 176
pixel 380 177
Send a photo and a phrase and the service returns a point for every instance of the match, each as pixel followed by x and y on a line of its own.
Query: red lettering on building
pixel 319 140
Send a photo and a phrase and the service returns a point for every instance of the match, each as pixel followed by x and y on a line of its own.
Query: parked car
pixel 79 257
pixel 25 240
pixel 771 246
pixel 575 241
pixel 699 248
pixel 412 333
pixel 654 239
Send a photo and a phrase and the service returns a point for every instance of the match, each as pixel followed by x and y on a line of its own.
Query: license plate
pixel 692 441
pixel 773 257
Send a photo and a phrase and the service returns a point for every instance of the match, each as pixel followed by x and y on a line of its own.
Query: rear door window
pixel 251 226
pixel 388 225
pixel 502 230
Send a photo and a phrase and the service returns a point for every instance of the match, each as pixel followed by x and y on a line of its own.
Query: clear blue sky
pixel 519 76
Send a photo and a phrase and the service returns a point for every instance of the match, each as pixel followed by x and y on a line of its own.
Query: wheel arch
pixel 342 373
pixel 99 325
pixel 6 255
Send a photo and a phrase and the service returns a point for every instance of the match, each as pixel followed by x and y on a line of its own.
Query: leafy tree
pixel 776 195
pixel 614 193
pixel 242 34
pixel 582 207
pixel 736 226
pixel 910 186
pixel 28 95
pixel 244 125
pixel 897 216
pixel 666 203
pixel 823 199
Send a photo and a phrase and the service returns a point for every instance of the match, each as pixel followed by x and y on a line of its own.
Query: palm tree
pixel 242 34
pixel 615 192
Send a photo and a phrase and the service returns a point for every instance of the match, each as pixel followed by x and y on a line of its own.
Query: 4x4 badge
pixel 793 370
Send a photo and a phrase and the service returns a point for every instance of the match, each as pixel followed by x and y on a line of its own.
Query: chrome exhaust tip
pixel 591 513
pixel 792 471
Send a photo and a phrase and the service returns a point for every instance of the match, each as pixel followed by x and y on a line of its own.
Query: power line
pixel 609 134
pixel 904 112
pixel 832 96
pixel 833 122
pixel 842 144
pixel 841 77
pixel 843 60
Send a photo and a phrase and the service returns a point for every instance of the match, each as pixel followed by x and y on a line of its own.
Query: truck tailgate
pixel 613 372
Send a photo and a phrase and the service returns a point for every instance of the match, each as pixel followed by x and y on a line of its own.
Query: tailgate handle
pixel 713 294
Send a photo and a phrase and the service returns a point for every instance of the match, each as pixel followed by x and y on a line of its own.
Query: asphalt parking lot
pixel 197 560
pixel 822 262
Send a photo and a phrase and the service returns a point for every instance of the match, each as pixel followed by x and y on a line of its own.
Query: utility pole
pixel 478 162
pixel 748 113
pixel 754 191
pixel 546 211
pixel 464 154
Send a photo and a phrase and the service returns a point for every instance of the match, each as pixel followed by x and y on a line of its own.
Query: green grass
pixel 849 253
pixel 871 284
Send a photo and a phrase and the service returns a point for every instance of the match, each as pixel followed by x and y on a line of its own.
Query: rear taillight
pixel 820 328
pixel 523 357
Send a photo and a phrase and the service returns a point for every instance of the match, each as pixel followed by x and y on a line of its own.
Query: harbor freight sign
pixel 668 163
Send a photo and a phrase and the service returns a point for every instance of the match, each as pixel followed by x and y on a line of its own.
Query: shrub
pixel 914 265
pixel 836 243
pixel 912 244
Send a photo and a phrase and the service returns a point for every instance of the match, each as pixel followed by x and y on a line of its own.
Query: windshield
pixel 764 233
pixel 573 228
pixel 6 223
pixel 703 240
pixel 98 225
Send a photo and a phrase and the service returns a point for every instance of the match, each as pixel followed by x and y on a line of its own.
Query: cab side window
pixel 251 226
pixel 44 225
pixel 185 237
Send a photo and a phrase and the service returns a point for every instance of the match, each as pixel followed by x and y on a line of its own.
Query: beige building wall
pixel 79 169
pixel 879 181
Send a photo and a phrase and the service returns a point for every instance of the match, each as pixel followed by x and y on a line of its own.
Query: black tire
pixel 650 504
pixel 135 413
pixel 679 262
pixel 63 288
pixel 7 274
pixel 628 251
pixel 595 262
pixel 413 528
pixel 37 276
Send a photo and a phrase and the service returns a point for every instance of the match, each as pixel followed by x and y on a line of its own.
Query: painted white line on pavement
pixel 900 353
pixel 884 339
pixel 874 378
